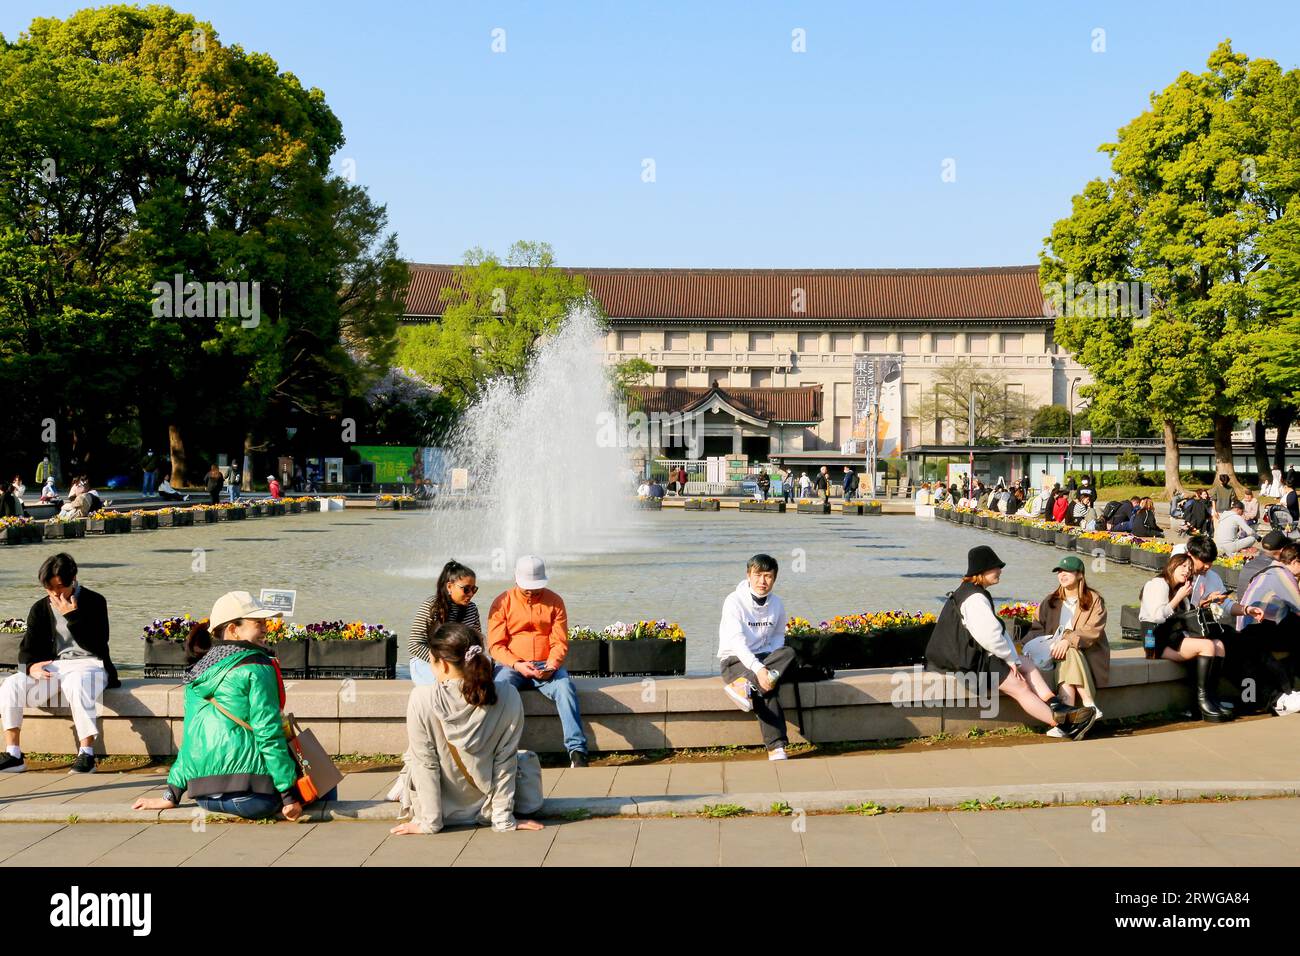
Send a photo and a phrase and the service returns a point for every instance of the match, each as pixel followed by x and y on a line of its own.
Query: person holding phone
pixel 528 635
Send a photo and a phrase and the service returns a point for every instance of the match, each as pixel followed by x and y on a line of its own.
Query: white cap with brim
pixel 530 572
pixel 235 606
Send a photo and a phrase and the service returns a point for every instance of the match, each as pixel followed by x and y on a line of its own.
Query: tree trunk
pixel 1223 452
pixel 247 470
pixel 177 446
pixel 1172 480
pixel 1261 450
pixel 1282 419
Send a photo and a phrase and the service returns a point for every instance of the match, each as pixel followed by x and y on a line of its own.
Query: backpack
pixel 1108 513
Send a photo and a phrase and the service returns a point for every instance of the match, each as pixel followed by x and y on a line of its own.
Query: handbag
pixel 528 780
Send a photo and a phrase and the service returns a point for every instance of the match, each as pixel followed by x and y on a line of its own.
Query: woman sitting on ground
pixel 234 756
pixel 463 732
pixel 1071 629
pixel 1144 523
pixel 1168 612
pixel 969 638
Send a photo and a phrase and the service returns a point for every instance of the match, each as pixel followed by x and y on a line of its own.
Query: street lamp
pixel 1069 464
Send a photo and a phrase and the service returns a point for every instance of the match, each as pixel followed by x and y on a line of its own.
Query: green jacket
pixel 219 756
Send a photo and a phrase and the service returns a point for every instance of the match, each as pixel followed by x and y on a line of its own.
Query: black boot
pixel 1216 675
pixel 1205 696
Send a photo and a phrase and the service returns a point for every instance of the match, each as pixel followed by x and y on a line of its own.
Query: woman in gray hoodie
pixel 463 734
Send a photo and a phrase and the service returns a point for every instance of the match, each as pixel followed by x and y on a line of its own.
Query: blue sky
pixel 763 157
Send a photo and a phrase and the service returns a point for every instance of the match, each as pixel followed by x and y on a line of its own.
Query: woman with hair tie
pixel 452 602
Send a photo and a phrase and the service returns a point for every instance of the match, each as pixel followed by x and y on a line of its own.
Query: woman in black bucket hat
pixel 970 640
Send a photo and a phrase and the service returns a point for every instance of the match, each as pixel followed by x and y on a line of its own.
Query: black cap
pixel 980 559
pixel 1275 540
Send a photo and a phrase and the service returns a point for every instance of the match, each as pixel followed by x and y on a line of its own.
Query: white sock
pixel 87 750
pixel 14 751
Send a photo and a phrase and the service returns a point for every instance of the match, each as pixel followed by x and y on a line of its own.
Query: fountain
pixel 541 480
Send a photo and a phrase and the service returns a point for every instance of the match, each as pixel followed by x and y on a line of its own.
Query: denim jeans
pixel 422 672
pixel 250 806
pixel 150 483
pixel 561 690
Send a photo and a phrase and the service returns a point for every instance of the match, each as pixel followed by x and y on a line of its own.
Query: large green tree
pixel 136 147
pixel 496 315
pixel 1197 181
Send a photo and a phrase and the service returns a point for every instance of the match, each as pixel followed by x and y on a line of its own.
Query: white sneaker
pixel 1056 732
pixel 777 753
pixel 1288 704
pixel 739 691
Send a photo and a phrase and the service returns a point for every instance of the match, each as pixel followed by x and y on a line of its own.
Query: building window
pixel 843 430
pixel 808 341
pixel 675 341
pixel 762 378
pixel 719 341
pixel 977 343
pixel 909 343
pixel 842 342
pixel 629 341
pixel 760 341
pixel 945 343
pixel 720 375
pixel 675 377
pixel 1013 343
pixel 877 341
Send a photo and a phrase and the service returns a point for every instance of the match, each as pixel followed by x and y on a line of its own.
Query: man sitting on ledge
pixel 65 652
pixel 528 635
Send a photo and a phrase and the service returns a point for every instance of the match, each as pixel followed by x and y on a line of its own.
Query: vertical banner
pixel 878 401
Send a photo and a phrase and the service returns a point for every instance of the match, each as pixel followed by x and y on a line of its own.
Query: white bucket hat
pixel 530 572
pixel 237 605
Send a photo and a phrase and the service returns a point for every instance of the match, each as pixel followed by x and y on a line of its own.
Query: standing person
pixel 1071 487
pixel 787 485
pixel 805 486
pixel 452 601
pixel 528 635
pixel 213 484
pixel 1025 484
pixel 681 480
pixel 822 485
pixel 1085 485
pixel 64 651
pixel 970 638
pixel 44 471
pixel 233 485
pixel 1071 626
pixel 1232 534
pixel 1167 612
pixel 234 757
pixel 273 487
pixel 1292 502
pixel 463 734
pixel 764 484
pixel 752 652
pixel 149 474
pixel 1223 496
pixel 850 483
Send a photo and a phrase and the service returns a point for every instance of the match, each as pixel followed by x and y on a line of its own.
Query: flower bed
pixel 587 652
pixel 860 507
pixel 164 646
pixel 143 520
pixel 108 522
pixel 231 512
pixel 12 633
pixel 702 504
pixel 654 648
pixel 21 530
pixel 649 503
pixel 1151 555
pixel 175 518
pixel 868 639
pixel 60 528
pixel 336 649
pixel 1018 618
pixel 814 506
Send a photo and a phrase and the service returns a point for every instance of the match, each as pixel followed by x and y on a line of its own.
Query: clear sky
pixel 763 157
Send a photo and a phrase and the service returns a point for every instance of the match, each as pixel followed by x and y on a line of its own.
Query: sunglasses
pixel 467 588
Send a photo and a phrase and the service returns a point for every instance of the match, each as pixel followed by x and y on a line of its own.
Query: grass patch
pixel 73 818
pixel 867 809
pixel 782 808
pixel 723 810
pixel 1129 800
pixel 576 814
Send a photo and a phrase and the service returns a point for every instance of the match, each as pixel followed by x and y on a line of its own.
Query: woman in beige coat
pixel 1071 621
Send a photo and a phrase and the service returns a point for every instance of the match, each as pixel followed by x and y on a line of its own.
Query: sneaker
pixel 577 759
pixel 739 691
pixel 1287 704
pixel 1081 727
pixel 776 753
pixel 1070 713
pixel 1056 732
pixel 85 763
pixel 11 764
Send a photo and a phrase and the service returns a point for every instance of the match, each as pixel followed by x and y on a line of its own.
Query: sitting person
pixel 168 493
pixel 528 635
pixel 1122 518
pixel 1250 509
pixel 753 653
pixel 65 651
pixel 1060 504
pixel 233 757
pixel 1167 612
pixel 1198 513
pixel 49 493
pixel 969 637
pixel 1232 534
pixel 656 490
pixel 1143 523
pixel 452 602
pixel 463 735
pixel 1071 627
pixel 643 490
pixel 1275 593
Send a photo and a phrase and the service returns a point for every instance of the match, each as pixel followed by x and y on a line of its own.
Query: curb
pixel 925 798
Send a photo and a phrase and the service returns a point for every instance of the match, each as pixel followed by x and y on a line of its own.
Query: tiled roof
pixel 982 293
pixel 802 404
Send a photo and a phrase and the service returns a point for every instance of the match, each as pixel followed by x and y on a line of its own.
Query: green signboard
pixel 393 463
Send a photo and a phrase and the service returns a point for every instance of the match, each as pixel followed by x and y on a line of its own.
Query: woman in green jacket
pixel 234 757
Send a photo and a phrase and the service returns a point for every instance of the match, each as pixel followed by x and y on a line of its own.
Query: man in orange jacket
pixel 528 635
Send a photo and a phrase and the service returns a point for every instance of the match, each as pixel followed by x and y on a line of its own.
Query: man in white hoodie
pixel 752 651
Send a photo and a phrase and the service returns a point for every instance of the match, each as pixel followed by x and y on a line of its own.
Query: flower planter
pixel 702 505
pixel 164 658
pixel 1010 528
pixel 386 505
pixel 233 514
pixel 1151 560
pixel 177 519
pixel 108 525
pixel 1119 553
pixel 749 504
pixel 292 508
pixel 313 506
pixel 365 659
pixel 1064 540
pixel 144 522
pixel 205 517
pixel 587 657
pixel 255 511
pixel 774 507
pixel 65 529
pixel 1025 531
pixel 891 647
pixel 292 656
pixel 1230 576
pixel 1130 625
pixel 9 645
pixel 649 504
pixel 650 655
pixel 274 510
pixel 814 508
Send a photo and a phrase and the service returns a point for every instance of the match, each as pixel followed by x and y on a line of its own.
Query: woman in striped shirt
pixel 453 601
